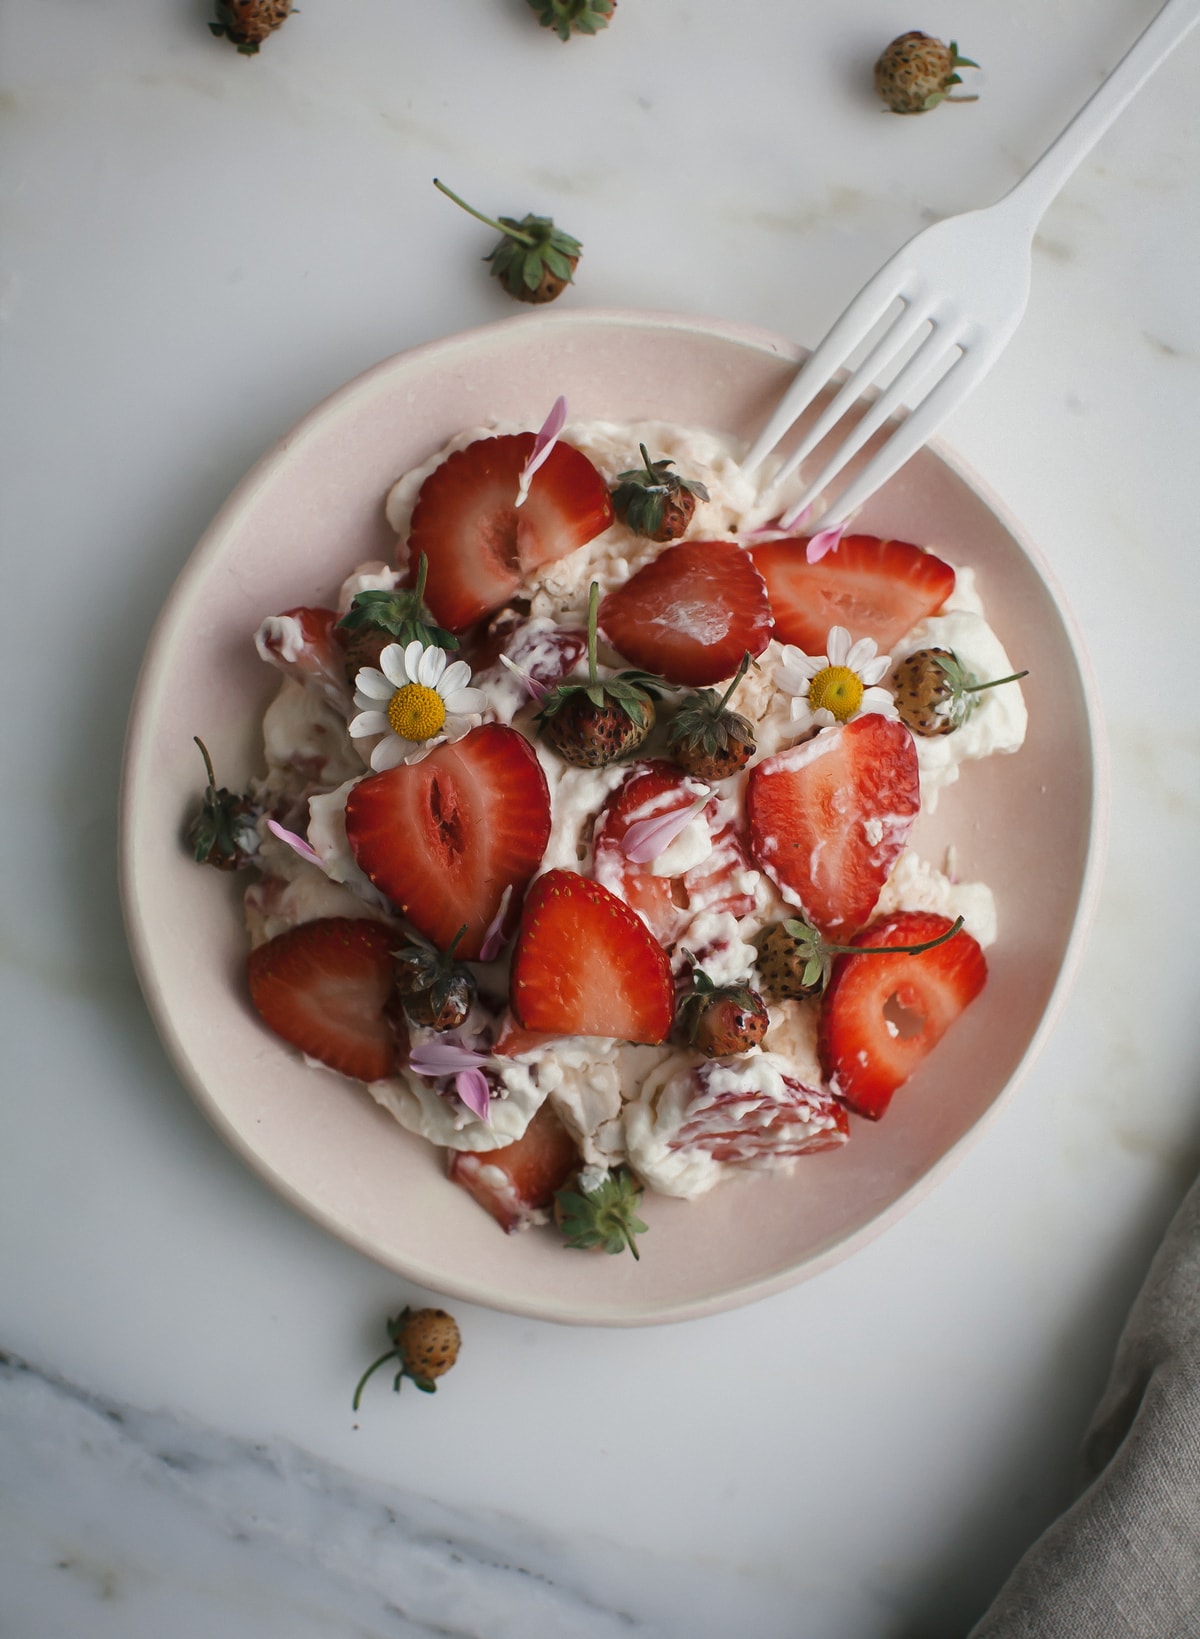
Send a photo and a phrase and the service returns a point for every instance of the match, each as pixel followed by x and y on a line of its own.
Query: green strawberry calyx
pixel 603 1214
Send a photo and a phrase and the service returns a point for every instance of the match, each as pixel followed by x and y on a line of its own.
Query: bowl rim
pixel 289 448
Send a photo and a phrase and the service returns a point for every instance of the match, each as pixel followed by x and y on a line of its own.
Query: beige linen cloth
pixel 1124 1561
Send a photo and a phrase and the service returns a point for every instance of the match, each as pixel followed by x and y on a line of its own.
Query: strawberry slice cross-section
pixel 445 838
pixel 584 964
pixel 691 613
pixel 883 1014
pixel 874 588
pixel 480 546
pixel 325 986
pixel 829 817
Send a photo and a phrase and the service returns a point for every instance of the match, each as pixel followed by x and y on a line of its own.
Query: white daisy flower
pixel 415 700
pixel 836 686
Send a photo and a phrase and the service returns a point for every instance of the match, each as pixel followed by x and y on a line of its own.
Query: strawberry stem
pixel 422 574
pixel 593 612
pixel 392 1354
pixel 737 677
pixel 895 950
pixel 208 767
pixel 489 221
pixel 1014 677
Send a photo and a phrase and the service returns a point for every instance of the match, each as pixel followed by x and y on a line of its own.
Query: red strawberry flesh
pixel 584 964
pixel 691 613
pixel 519 1182
pixel 829 818
pixel 479 544
pixel 325 986
pixel 883 1014
pixel 445 837
pixel 874 588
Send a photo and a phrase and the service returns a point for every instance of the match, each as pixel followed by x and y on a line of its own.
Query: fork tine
pixel 855 323
pixel 914 431
pixel 934 348
pixel 894 339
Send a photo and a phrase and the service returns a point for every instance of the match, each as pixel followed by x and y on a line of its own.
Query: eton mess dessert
pixel 582 841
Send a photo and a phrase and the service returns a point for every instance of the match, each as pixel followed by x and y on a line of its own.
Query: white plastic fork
pixel 965 280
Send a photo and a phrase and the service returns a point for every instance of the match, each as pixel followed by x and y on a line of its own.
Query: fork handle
pixel 1042 183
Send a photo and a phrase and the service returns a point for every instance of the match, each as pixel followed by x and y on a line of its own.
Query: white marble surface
pixel 196 248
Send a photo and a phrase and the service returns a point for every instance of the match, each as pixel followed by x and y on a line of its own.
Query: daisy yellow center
pixel 416 712
pixel 839 690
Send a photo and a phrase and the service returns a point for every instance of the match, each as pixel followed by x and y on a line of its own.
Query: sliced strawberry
pixel 513 1039
pixel 666 903
pixel 304 644
pixel 873 588
pixel 325 987
pixel 544 651
pixel 829 817
pixel 585 965
pixel 480 545
pixel 883 1014
pixel 736 1116
pixel 518 1183
pixel 691 613
pixel 446 837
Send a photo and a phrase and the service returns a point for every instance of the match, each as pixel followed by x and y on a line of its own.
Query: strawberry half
pixel 883 1014
pixel 666 903
pixel 829 817
pixel 446 837
pixel 519 1182
pixel 481 547
pixel 874 588
pixel 325 986
pixel 691 613
pixel 584 964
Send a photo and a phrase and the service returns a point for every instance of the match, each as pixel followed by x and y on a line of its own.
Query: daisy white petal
pixel 456 676
pixel 368 723
pixel 837 646
pixel 412 660
pixel 874 671
pixel 391 663
pixel 389 753
pixel 861 650
pixel 877 701
pixel 373 684
pixel 465 700
pixel 430 667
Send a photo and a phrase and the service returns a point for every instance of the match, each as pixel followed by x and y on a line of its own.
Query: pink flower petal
pixel 297 844
pixel 443 1058
pixel 472 1087
pixel 493 939
pixel 646 839
pixel 825 540
pixel 542 445
pixel 536 691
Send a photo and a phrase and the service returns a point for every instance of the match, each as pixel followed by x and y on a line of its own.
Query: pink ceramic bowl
pixel 1029 825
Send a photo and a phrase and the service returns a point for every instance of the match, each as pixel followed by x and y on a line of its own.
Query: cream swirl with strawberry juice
pixel 680 1120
